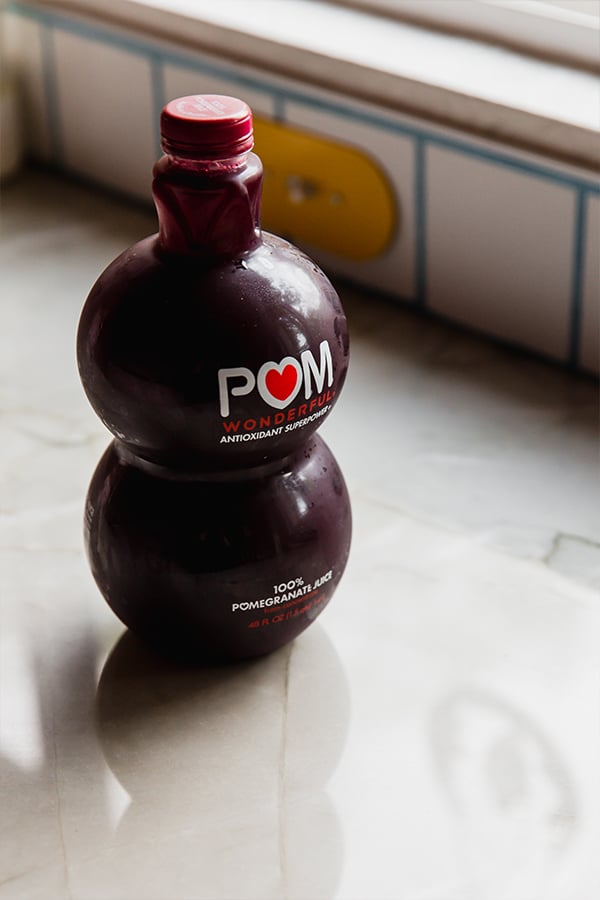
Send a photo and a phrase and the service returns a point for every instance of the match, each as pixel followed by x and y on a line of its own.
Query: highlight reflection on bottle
pixel 217 522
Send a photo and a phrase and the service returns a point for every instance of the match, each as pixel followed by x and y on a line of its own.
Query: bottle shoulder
pixel 179 359
pixel 272 273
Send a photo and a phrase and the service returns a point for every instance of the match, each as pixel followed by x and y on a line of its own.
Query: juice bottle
pixel 217 522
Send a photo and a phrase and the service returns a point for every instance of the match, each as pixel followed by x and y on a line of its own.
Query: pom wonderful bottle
pixel 217 522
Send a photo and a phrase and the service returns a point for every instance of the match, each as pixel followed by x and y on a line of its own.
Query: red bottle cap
pixel 206 126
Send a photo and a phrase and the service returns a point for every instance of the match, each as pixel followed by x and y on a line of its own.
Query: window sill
pixel 480 231
pixel 488 91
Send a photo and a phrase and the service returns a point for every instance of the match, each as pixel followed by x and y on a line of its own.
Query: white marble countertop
pixel 433 737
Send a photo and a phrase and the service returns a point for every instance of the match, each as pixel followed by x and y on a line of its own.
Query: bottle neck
pixel 208 209
pixel 207 166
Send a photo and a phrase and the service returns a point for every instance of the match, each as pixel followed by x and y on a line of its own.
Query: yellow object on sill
pixel 328 194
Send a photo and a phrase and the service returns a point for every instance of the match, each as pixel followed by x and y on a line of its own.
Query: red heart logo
pixel 281 384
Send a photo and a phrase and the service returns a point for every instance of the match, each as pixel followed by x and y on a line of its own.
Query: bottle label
pixel 308 380
pixel 287 601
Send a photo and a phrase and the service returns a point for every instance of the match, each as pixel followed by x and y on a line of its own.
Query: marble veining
pixel 432 737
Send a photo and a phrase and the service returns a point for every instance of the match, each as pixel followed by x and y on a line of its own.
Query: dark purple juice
pixel 217 523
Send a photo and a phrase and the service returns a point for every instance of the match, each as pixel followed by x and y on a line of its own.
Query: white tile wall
pixel 496 251
pixel 499 250
pixel 589 349
pixel 23 53
pixel 393 271
pixel 106 112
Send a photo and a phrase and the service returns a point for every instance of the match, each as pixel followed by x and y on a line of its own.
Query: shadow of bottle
pixel 226 769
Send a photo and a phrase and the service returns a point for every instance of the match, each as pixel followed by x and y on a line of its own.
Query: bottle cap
pixel 206 126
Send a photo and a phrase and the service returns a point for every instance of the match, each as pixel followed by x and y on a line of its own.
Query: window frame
pixel 463 84
pixel 532 26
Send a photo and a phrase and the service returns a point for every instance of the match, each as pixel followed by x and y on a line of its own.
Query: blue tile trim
pixel 51 92
pixel 146 47
pixel 279 108
pixel 493 156
pixel 577 277
pixel 420 222
pixel 85 29
pixel 158 55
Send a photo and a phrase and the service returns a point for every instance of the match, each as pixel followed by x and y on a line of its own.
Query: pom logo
pixel 278 383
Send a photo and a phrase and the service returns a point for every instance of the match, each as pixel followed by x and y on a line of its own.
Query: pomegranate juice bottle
pixel 217 522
